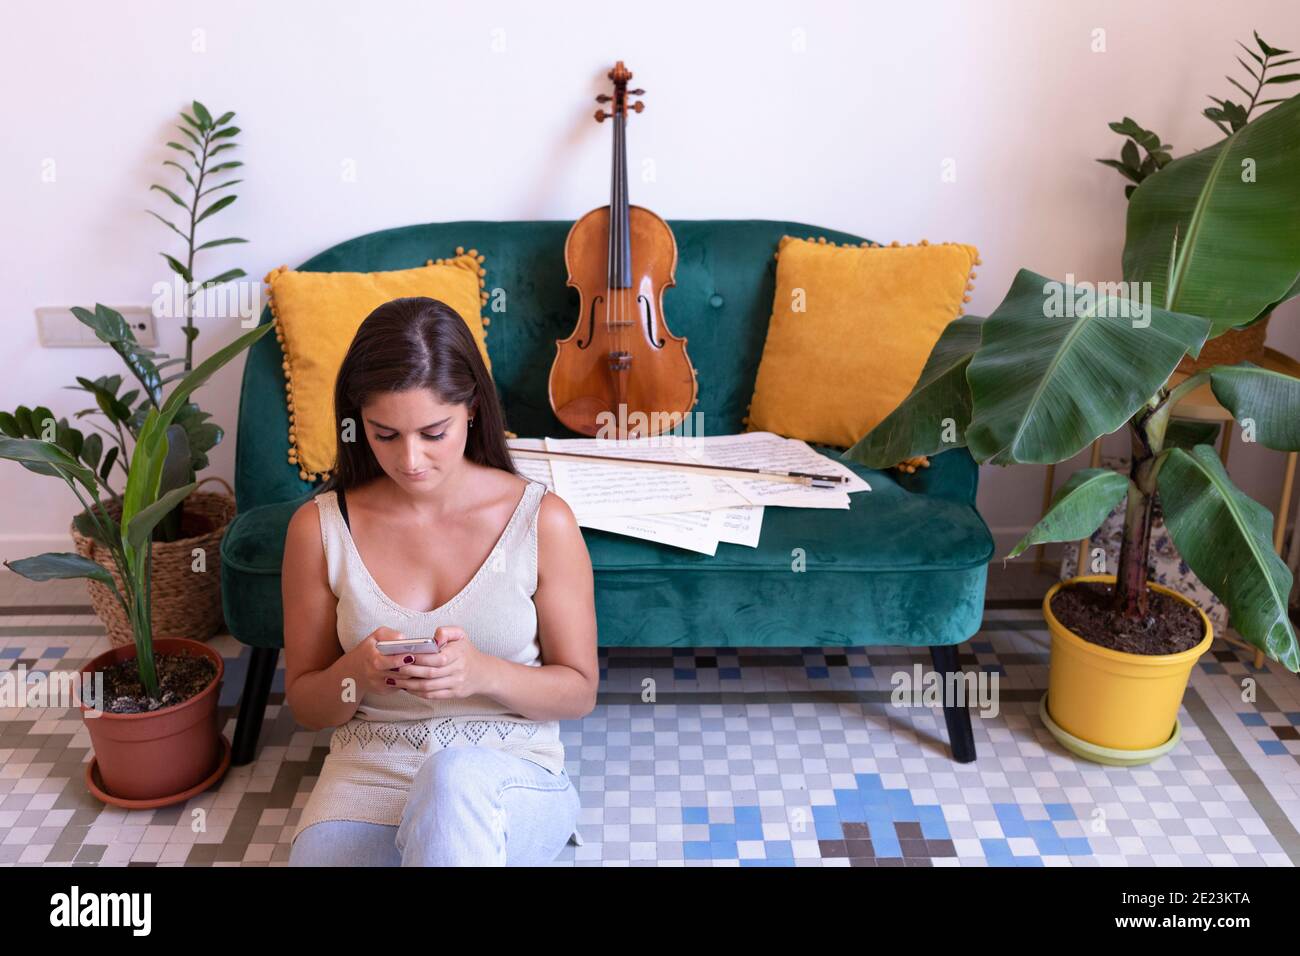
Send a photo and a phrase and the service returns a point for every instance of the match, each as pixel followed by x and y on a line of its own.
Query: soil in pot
pixel 180 677
pixel 1088 609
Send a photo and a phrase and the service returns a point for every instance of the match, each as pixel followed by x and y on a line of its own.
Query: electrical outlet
pixel 59 328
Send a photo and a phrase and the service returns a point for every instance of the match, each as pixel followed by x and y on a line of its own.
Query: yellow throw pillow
pixel 851 329
pixel 317 315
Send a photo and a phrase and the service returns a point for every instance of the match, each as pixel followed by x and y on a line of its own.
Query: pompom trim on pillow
pixel 472 260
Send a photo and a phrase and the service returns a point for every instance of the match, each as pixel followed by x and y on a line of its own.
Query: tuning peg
pixel 638 106
pixel 603 98
pixel 637 92
pixel 601 116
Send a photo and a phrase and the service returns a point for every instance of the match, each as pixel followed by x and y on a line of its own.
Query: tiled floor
pixel 777 757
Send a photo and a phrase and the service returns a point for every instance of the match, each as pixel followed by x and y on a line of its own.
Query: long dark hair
pixel 415 342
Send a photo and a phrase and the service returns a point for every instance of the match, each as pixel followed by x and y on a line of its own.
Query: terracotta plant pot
pixel 161 757
pixel 1112 706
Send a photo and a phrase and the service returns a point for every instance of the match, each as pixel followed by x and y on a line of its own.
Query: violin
pixel 621 368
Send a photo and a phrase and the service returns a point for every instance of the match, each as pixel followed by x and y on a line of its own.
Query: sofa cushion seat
pixel 874 574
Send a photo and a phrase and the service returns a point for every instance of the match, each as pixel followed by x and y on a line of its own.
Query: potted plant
pixel 184 602
pixel 1246 341
pixel 154 727
pixel 1056 366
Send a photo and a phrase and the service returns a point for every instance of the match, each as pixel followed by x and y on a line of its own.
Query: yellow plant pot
pixel 1111 704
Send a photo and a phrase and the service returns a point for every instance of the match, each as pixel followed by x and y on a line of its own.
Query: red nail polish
pixel 391 681
pixel 408 659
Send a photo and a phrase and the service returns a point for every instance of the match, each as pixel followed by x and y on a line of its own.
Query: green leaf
pixel 1253 55
pixel 1186 433
pixel 92 449
pixel 178 267
pixel 1129 154
pixel 1225 538
pixel 228 131
pixel 1285 78
pixel 224 277
pixel 217 242
pixel 107 466
pixel 1239 86
pixel 216 149
pixel 185 172
pixel 23 415
pixel 224 118
pixel 917 425
pixel 185 149
pixel 168 224
pixel 174 198
pixel 1054 373
pixel 223 166
pixel 220 186
pixel 150 452
pixel 37 452
pixel 1268 50
pixel 192 121
pixel 1271 400
pixel 1240 250
pixel 194 139
pixel 41 417
pixel 60 564
pixel 202 113
pixel 1078 509
pixel 1124 170
pixel 9 425
pixel 110 327
pixel 1144 137
pixel 1246 66
pixel 217 206
pixel 140 529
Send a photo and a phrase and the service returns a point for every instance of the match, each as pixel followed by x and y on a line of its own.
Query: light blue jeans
pixel 468 806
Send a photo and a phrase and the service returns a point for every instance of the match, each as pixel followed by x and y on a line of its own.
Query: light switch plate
pixel 59 328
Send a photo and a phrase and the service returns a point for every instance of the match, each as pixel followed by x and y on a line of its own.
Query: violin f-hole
pixel 591 322
pixel 649 323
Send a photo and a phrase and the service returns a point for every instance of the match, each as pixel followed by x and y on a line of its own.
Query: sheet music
pixel 595 490
pixel 699 531
pixel 766 450
pixel 692 530
pixel 696 512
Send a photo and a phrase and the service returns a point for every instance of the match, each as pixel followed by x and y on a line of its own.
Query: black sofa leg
pixel 960 736
pixel 252 704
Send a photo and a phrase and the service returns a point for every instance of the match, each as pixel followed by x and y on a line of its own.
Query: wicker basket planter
pixel 186 603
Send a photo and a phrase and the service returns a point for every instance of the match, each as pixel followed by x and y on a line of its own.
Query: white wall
pixel 440 124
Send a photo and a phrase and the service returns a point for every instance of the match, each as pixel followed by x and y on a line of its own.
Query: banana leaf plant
pixel 1036 383
pixel 1211 244
pixel 144 504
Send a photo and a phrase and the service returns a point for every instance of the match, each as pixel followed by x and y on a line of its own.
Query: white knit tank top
pixel 373 758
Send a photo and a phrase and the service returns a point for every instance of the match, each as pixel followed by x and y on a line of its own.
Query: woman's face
pixel 417 440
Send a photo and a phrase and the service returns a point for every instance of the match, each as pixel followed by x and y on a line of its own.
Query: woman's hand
pixel 373 669
pixel 458 669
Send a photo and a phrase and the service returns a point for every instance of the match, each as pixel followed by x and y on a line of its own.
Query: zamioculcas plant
pixel 143 506
pixel 209 137
pixel 1134 166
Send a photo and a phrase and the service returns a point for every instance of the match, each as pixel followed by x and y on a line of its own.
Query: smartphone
pixel 413 645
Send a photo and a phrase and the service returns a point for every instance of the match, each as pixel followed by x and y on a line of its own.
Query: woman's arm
pixel 564 687
pixel 315 666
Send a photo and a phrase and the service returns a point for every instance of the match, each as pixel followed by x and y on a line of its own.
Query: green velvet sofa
pixel 905 565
